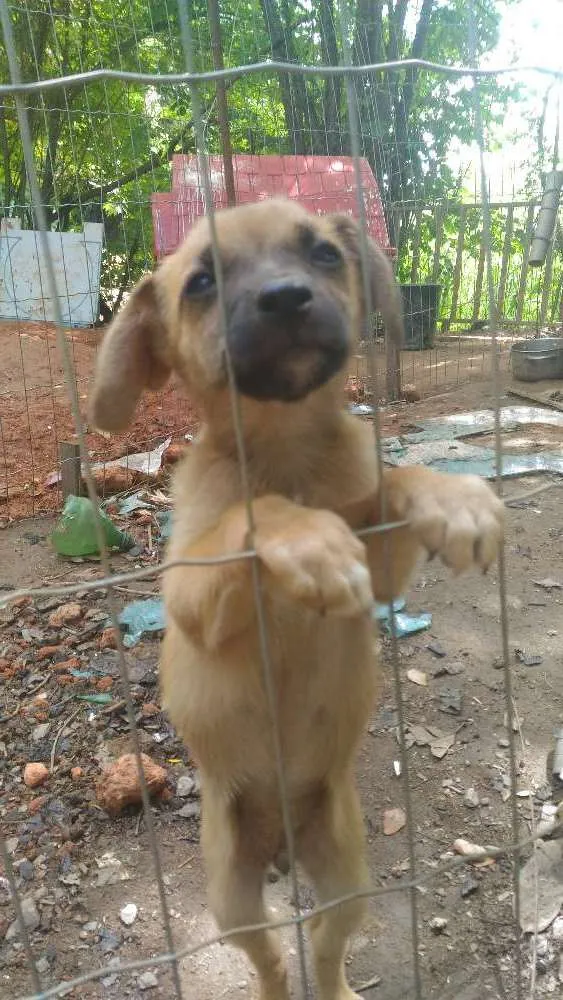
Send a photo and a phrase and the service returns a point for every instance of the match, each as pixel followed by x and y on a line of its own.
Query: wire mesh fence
pixel 112 71
pixel 102 148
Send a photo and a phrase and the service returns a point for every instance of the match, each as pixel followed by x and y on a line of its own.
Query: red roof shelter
pixel 322 184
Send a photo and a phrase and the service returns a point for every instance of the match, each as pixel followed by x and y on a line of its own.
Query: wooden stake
pixel 71 473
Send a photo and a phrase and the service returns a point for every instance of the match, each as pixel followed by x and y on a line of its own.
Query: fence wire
pixel 45 89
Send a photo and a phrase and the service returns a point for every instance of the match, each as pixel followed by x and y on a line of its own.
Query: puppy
pixel 293 293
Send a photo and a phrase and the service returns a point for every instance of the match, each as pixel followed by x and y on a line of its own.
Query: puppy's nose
pixel 284 297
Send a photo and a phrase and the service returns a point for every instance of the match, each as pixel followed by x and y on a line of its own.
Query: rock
pixel 541 887
pixel 108 639
pixel 436 648
pixel 393 821
pixel 450 700
pixel 175 451
pixel 149 709
pixel 471 798
pixel 76 773
pixel 31 919
pixel 65 615
pixel 465 848
pixel 109 940
pixel 191 810
pixel 119 785
pixel 113 478
pixel 410 393
pixel 438 925
pixel 128 914
pixel 557 929
pixel 39 733
pixel 36 804
pixel 185 786
pixel 35 774
pixel 147 981
pixel 417 677
pixel 469 886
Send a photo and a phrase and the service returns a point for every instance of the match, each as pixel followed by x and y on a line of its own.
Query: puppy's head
pixel 293 300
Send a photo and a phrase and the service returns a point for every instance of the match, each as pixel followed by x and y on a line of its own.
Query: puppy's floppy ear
pixel 385 293
pixel 132 357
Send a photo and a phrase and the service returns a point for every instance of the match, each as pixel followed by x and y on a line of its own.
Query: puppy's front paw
pixel 316 559
pixel 458 518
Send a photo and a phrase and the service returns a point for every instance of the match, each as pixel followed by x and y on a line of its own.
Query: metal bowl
pixel 537 359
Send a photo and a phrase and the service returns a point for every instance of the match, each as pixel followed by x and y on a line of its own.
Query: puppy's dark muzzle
pixel 286 341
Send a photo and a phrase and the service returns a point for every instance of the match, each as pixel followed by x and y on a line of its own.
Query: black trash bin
pixel 421 304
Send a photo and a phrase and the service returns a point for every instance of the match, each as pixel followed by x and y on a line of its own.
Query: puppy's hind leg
pixel 331 849
pixel 235 890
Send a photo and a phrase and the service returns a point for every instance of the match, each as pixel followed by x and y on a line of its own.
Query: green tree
pixel 103 148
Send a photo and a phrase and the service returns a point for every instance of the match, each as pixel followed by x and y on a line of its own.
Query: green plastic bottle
pixel 75 533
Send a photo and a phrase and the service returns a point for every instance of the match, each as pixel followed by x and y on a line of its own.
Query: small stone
pixel 436 648
pixel 36 804
pixel 469 886
pixel 65 615
pixel 26 870
pixel 35 774
pixel 557 928
pixel 128 914
pixel 410 393
pixel 109 940
pixel 42 965
pixel 31 919
pixel 438 925
pixel 149 709
pixel 471 798
pixel 393 821
pixel 147 981
pixel 417 677
pixel 185 786
pixel 119 785
pixel 108 639
pixel 76 773
pixel 191 810
pixel 39 733
pixel 503 743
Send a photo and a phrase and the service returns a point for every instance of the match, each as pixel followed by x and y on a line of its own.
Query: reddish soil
pixel 35 415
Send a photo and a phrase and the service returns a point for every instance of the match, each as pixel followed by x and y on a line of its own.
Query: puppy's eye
pixel 326 254
pixel 200 283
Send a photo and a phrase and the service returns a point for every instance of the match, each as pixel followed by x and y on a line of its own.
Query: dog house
pixel 322 184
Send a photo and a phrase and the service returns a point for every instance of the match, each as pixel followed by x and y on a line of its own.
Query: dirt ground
pixel 59 838
pixel 35 414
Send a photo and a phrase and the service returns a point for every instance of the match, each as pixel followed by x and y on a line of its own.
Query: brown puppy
pixel 293 296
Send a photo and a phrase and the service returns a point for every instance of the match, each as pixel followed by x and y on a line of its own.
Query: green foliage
pixel 103 148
